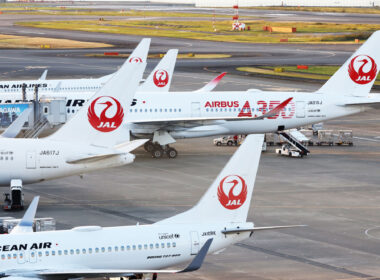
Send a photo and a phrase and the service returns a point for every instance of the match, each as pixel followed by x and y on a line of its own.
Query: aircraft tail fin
pixel 212 84
pixel 100 121
pixel 161 77
pixel 229 197
pixel 358 73
pixel 26 223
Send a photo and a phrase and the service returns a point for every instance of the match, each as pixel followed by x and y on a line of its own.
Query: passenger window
pixel 134 247
pixel 168 245
pixel 103 249
pixel 47 253
pixel 145 246
pixel 90 250
pixel 162 245
pixel 157 245
pixel 71 252
pixel 122 248
pixel 9 256
pixel 21 255
pixel 140 246
pixel 66 252
pixel 3 257
pixel 83 251
pixel 151 246
pixel 77 251
pixel 96 250
pixel 53 253
pixel 109 249
pixel 15 256
pixel 116 249
pixel 174 245
pixel 59 252
pixel 128 247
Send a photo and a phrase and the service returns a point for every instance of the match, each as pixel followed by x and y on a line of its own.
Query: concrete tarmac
pixel 334 191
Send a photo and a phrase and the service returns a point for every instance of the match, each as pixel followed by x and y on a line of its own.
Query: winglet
pixel 212 84
pixel 43 76
pixel 13 130
pixel 26 223
pixel 199 258
pixel 276 110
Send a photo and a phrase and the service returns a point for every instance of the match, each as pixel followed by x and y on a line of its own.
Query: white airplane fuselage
pixel 178 107
pixel 36 160
pixel 134 247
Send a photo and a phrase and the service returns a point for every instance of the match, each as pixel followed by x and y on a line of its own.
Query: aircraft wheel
pixel 149 146
pixel 157 153
pixel 171 153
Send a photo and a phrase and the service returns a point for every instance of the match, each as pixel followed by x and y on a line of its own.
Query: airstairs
pixel 294 142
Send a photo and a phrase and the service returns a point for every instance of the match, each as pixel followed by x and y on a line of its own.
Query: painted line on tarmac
pixel 367 139
pixel 305 261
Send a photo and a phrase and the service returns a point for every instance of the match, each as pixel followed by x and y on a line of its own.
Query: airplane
pixel 218 220
pixel 94 138
pixel 164 117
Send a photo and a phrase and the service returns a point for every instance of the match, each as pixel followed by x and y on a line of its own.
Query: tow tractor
pixel 15 199
pixel 287 150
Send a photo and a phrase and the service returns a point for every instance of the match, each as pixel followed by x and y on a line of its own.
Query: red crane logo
pixel 232 201
pixel 135 60
pixel 366 69
pixel 160 78
pixel 111 114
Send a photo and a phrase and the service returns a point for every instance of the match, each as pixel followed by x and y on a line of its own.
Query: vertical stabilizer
pixel 161 77
pixel 229 197
pixel 358 73
pixel 100 121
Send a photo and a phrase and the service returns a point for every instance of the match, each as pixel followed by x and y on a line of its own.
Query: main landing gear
pixel 15 199
pixel 158 150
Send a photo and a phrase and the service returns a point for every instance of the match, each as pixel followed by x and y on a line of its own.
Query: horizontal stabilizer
pixel 240 230
pixel 130 145
pixel 14 129
pixel 92 273
pixel 26 223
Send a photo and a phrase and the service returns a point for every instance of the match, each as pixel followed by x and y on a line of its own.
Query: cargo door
pixel 195 109
pixel 300 109
pixel 31 160
pixel 194 242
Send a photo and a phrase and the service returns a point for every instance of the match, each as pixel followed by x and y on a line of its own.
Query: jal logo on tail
pixel 362 69
pixel 236 190
pixel 105 113
pixel 135 60
pixel 161 78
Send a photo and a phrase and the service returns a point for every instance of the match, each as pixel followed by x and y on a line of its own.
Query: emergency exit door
pixel 300 109
pixel 194 242
pixel 195 109
pixel 31 160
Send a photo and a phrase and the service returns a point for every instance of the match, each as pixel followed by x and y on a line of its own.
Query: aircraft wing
pixel 26 223
pixel 91 273
pixel 197 120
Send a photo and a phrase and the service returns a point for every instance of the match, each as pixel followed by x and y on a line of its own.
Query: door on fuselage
pixel 194 242
pixel 195 109
pixel 300 109
pixel 31 160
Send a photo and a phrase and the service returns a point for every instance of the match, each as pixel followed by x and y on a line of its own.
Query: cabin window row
pixel 84 251
pixel 239 109
pixel 156 110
